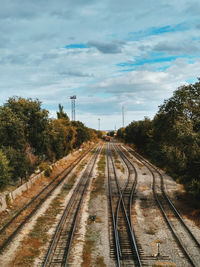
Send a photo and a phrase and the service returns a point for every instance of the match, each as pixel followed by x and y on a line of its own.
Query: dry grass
pixel 38 237
pixel 82 165
pixel 150 231
pixel 92 236
pixel 98 183
pixel 164 264
pixel 30 246
pixel 100 262
pixel 89 245
pixel 144 188
pixel 189 207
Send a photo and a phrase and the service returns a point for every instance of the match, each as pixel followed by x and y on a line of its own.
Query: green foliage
pixel 172 138
pixel 34 119
pixel 19 163
pixel 28 136
pixel 121 133
pixel 111 133
pixel 12 129
pixel 4 170
pixel 8 200
pixel 62 137
pixel 62 115
pixel 82 133
pixel 46 168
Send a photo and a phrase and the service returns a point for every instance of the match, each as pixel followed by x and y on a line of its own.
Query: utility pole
pixel 99 124
pixel 123 116
pixel 73 98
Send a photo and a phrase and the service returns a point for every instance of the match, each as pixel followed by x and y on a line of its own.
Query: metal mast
pixel 73 98
pixel 99 124
pixel 123 116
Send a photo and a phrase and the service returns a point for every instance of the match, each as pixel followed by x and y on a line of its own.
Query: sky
pixel 109 53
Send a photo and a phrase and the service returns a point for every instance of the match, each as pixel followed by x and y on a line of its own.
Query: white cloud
pixel 34 61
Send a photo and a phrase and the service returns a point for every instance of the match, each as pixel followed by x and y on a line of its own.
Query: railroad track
pixel 15 224
pixel 124 242
pixel 183 236
pixel 59 249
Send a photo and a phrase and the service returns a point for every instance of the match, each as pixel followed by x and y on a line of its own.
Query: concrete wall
pixel 18 191
pixel 33 178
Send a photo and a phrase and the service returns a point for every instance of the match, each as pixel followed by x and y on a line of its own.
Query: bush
pixel 46 168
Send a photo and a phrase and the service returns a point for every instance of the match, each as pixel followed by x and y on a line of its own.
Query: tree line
pixel 28 137
pixel 172 139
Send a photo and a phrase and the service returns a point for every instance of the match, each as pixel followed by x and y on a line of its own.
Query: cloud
pixel 75 73
pixel 185 47
pixel 107 48
pixel 106 53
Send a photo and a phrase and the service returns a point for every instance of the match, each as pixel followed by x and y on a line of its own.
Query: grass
pixel 91 239
pixel 82 165
pixel 189 207
pixel 118 164
pixel 93 236
pixel 151 231
pixel 98 183
pixel 38 236
pixel 100 262
pixel 164 264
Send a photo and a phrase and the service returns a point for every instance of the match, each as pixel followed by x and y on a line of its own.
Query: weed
pixel 100 262
pixel 164 264
pixel 151 231
pixel 92 236
pixel 30 248
pixel 8 200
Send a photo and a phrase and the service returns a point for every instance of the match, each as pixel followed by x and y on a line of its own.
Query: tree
pixel 62 138
pixel 35 121
pixel 12 129
pixel 19 164
pixel 4 170
pixel 82 133
pixel 62 115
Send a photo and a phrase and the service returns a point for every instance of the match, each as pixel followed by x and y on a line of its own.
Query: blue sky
pixel 110 53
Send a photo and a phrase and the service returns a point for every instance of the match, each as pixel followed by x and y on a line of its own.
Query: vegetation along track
pixel 14 225
pixel 125 245
pixel 58 251
pixel 185 239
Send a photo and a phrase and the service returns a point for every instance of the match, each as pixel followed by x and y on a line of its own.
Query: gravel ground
pixel 44 249
pixel 93 205
pixel 14 248
pixel 150 226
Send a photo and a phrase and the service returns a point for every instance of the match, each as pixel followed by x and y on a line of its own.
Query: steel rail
pixel 147 164
pixel 130 232
pixel 116 239
pixel 67 250
pixel 133 237
pixel 61 223
pixel 25 220
pixel 169 201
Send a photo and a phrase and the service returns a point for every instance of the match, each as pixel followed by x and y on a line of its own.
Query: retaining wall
pixel 33 178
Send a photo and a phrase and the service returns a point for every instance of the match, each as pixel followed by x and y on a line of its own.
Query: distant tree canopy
pixel 28 136
pixel 111 133
pixel 172 138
